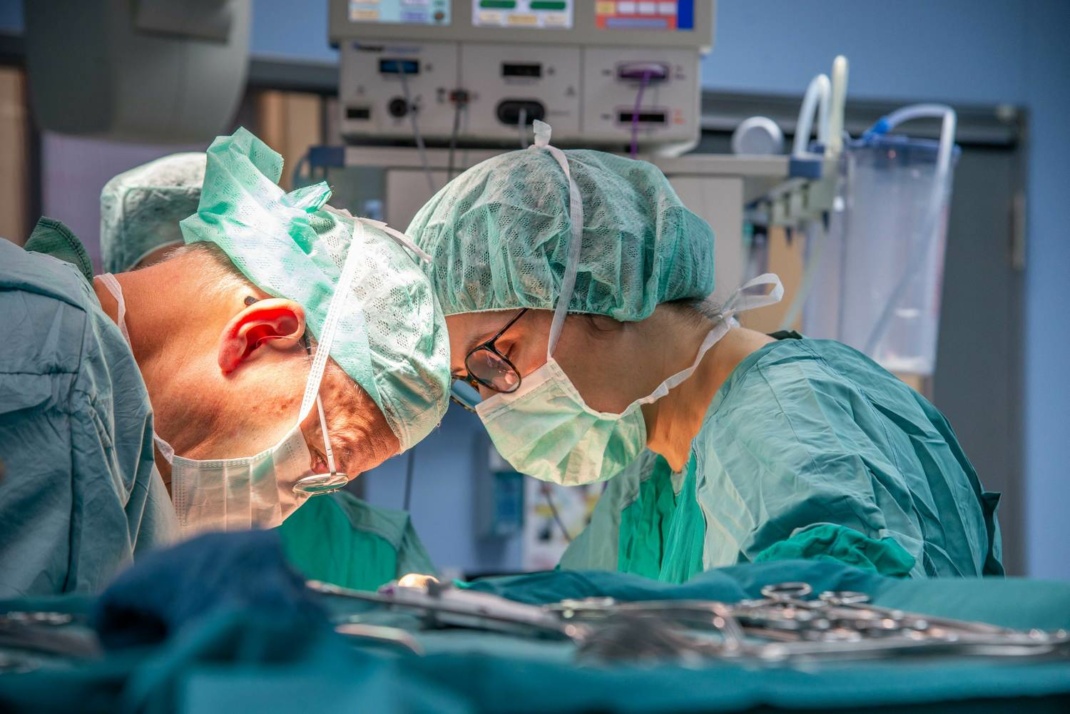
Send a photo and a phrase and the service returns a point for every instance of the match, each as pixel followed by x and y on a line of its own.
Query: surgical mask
pixel 244 493
pixel 545 429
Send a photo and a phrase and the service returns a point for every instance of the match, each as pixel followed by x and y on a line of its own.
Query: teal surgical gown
pixel 809 450
pixel 80 496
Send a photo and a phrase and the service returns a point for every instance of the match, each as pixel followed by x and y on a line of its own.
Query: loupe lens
pixel 465 393
pixel 321 484
pixel 493 371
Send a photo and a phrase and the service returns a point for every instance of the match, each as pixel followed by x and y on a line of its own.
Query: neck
pixel 674 421
pixel 160 324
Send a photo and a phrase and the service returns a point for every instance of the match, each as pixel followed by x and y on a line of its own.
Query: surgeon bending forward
pixel 575 287
pixel 285 346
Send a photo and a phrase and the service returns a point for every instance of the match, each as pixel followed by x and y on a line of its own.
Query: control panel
pixel 382 85
pixel 602 72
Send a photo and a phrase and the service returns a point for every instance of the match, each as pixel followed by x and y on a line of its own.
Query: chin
pixel 360 466
pixel 373 450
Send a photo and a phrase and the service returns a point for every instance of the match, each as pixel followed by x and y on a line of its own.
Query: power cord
pixel 556 516
pixel 644 79
pixel 459 98
pixel 416 132
pixel 410 465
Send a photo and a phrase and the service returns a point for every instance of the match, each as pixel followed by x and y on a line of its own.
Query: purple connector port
pixel 637 71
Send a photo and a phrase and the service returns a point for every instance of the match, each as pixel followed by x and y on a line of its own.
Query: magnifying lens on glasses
pixel 465 395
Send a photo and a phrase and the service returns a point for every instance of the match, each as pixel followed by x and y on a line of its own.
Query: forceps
pixel 448 606
pixel 861 602
pixel 783 596
pixel 708 613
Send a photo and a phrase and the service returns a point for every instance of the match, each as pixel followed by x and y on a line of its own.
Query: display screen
pixel 662 15
pixel 400 12
pixel 536 14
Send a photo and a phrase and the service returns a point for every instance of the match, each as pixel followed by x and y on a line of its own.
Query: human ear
pixel 273 323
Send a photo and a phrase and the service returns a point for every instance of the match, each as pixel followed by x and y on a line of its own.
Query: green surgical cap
pixel 498 237
pixel 140 208
pixel 391 338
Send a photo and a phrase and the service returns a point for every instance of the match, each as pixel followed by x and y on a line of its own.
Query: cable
pixel 453 141
pixel 521 126
pixel 555 514
pixel 643 80
pixel 416 132
pixel 409 468
pixel 295 177
pixel 460 101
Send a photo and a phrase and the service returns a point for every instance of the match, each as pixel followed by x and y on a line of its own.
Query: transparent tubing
pixel 815 101
pixel 838 102
pixel 943 167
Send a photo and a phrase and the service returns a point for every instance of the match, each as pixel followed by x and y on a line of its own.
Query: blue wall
pixel 1047 87
pixel 291 28
pixel 10 15
pixel 984 51
pixel 952 50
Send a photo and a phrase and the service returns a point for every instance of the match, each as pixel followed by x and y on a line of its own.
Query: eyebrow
pixel 480 341
pixel 496 333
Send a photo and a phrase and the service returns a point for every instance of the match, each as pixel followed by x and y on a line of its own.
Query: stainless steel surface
pixel 393 636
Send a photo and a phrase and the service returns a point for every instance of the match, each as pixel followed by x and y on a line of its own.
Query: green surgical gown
pixel 80 496
pixel 809 450
pixel 343 540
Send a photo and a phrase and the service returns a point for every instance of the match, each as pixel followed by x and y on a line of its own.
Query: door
pixel 979 382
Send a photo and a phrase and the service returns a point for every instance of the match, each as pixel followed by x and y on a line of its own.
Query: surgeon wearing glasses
pixel 576 291
pixel 485 366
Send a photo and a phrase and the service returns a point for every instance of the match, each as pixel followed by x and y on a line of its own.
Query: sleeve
pixel 75 436
pixel 834 505
pixel 804 468
pixel 36 500
pixel 119 506
pixel 828 541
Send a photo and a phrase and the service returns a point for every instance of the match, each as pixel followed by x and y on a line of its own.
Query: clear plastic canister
pixel 823 310
pixel 894 234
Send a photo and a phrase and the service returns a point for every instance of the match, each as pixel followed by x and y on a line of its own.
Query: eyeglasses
pixel 487 367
